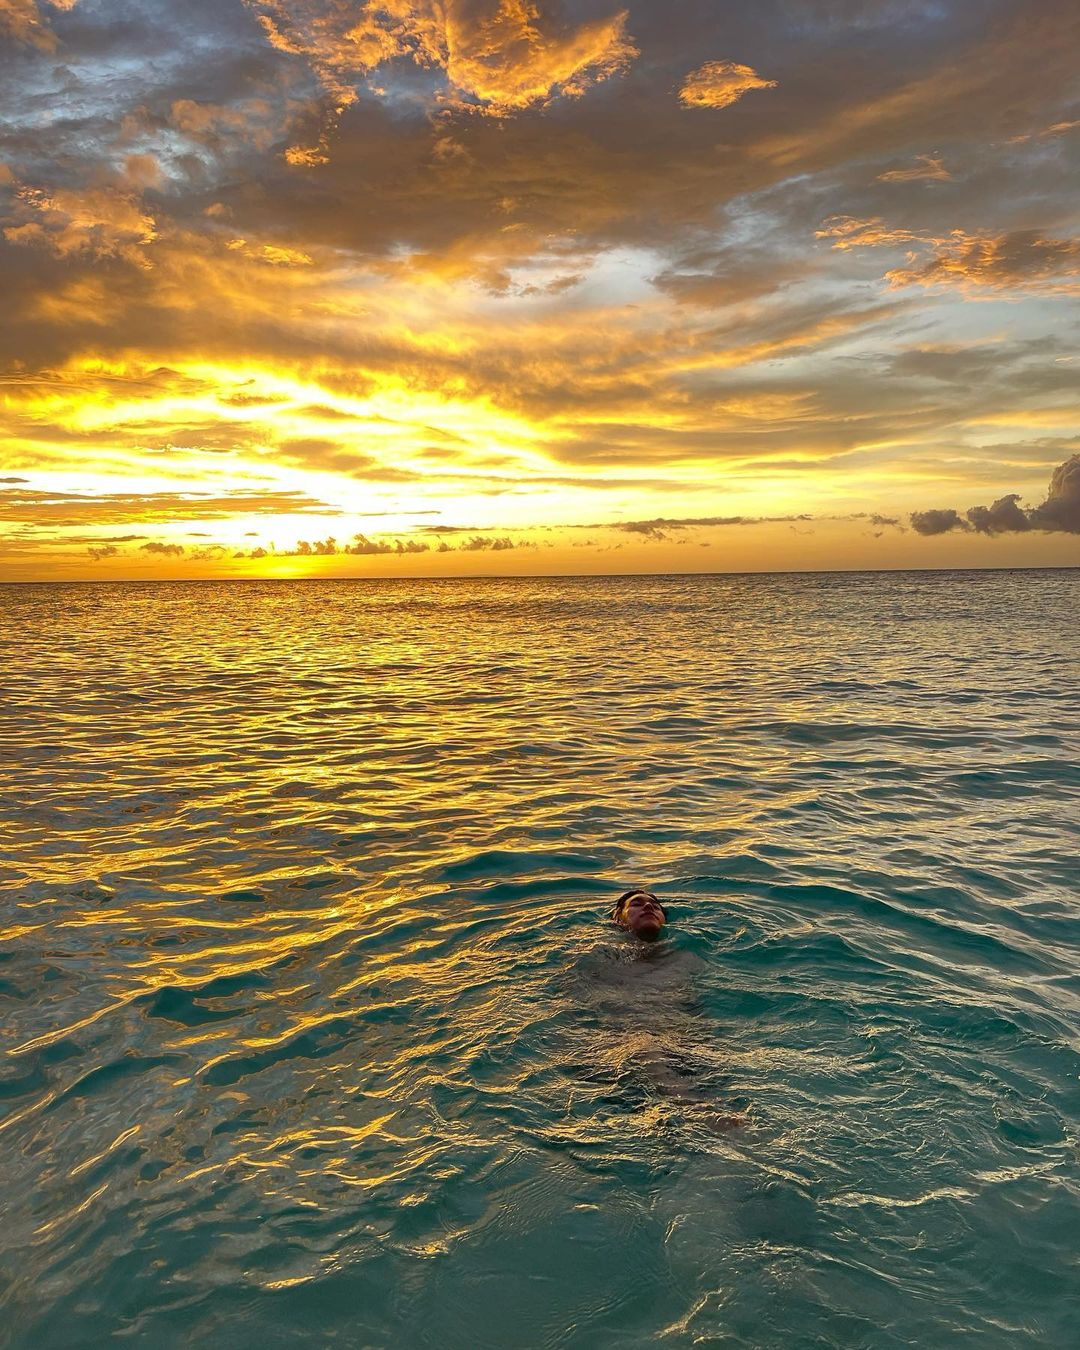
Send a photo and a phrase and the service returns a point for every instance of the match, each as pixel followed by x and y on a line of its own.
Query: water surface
pixel 315 1032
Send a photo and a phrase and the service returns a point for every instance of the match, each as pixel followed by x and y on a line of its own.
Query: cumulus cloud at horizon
pixel 1060 512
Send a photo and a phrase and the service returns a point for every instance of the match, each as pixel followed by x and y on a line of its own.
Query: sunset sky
pixel 449 287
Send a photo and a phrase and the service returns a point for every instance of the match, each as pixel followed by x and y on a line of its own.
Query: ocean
pixel 316 1031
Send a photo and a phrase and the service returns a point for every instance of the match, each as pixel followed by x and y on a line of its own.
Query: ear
pixel 663 911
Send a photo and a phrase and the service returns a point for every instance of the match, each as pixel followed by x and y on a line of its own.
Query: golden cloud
pixel 926 167
pixel 275 254
pixel 44 507
pixel 22 20
pixel 506 61
pixel 849 232
pixel 718 84
pixel 1021 258
pixel 102 222
pixel 962 260
pixel 1055 129
pixel 252 121
pixel 497 56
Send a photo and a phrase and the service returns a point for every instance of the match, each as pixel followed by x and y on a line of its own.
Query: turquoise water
pixel 316 1034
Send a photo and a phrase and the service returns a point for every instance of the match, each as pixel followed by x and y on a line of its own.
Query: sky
pixel 493 287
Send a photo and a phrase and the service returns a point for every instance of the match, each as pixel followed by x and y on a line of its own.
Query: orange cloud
pixel 1021 258
pixel 717 84
pixel 926 167
pixel 101 222
pixel 43 507
pixel 849 232
pixel 305 156
pixel 22 20
pixel 251 121
pixel 506 61
pixel 497 56
pixel 962 260
pixel 1055 129
pixel 275 254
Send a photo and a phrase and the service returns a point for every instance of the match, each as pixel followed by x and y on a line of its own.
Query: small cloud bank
pixel 478 543
pixel 362 545
pixel 937 521
pixel 162 550
pixel 1059 513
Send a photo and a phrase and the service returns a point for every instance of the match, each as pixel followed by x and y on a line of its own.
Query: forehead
pixel 635 896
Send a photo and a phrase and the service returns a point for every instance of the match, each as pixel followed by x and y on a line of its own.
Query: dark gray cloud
pixel 1061 510
pixel 936 521
pixel 1003 517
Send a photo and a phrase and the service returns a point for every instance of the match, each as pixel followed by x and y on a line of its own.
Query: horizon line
pixel 531 576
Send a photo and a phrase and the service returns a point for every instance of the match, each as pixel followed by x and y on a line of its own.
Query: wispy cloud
pixel 927 168
pixel 41 506
pixel 662 526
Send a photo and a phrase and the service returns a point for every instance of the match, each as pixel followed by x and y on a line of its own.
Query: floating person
pixel 651 1000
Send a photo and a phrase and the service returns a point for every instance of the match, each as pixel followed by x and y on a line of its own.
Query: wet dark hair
pixel 617 908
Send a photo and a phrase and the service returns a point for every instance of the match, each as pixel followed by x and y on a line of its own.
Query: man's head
pixel 640 912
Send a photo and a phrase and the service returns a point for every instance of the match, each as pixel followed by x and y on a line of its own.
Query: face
pixel 643 915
